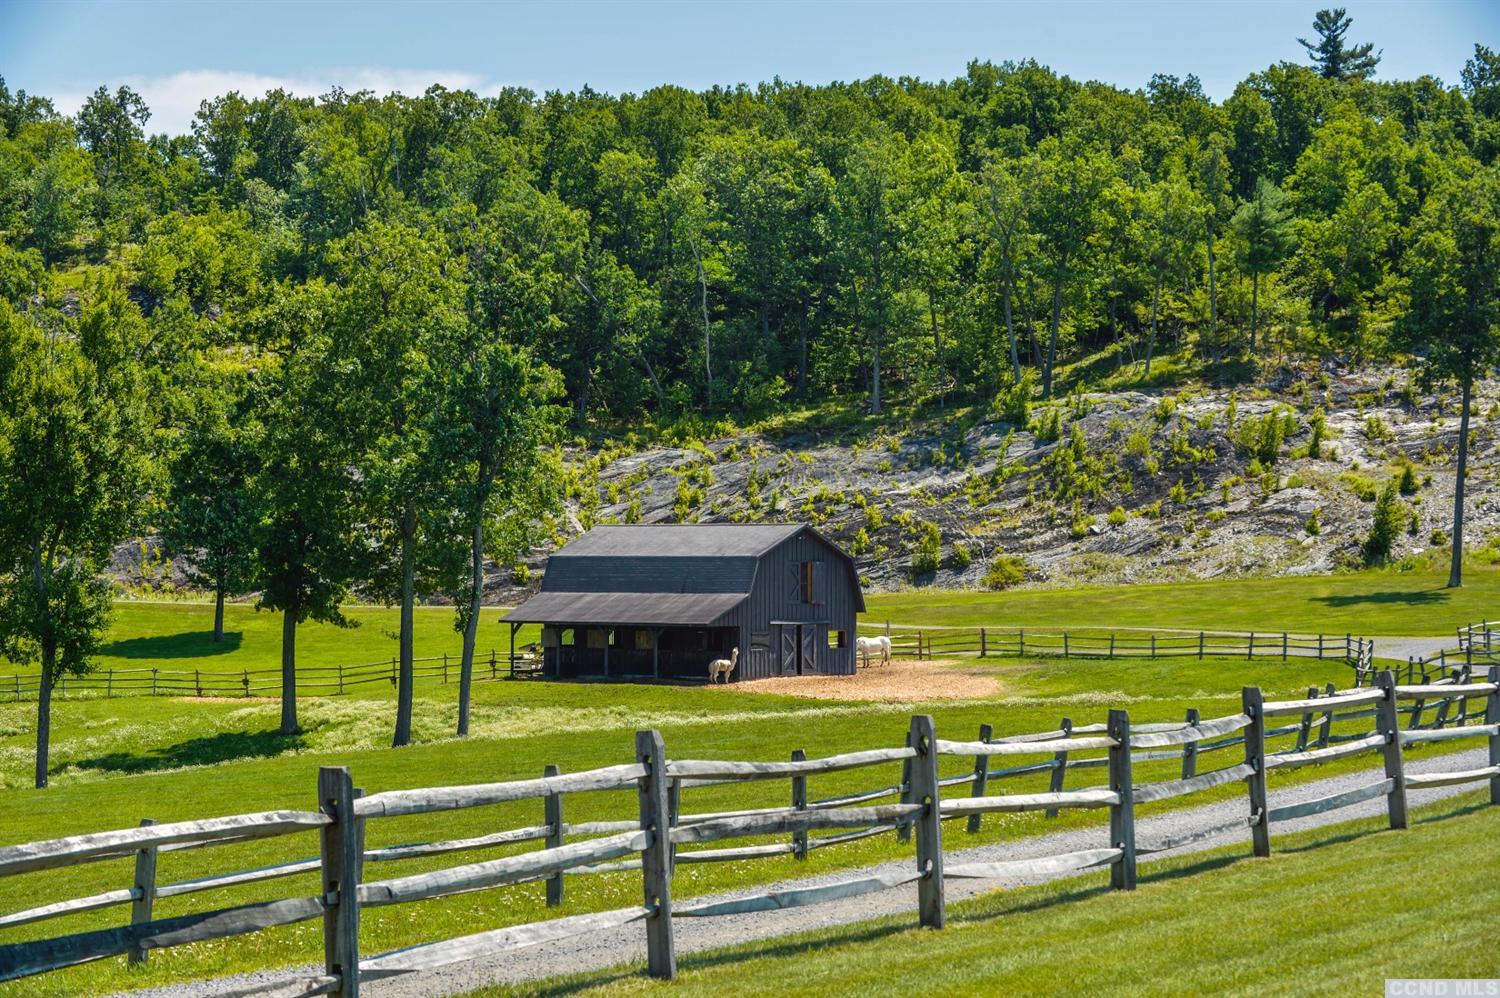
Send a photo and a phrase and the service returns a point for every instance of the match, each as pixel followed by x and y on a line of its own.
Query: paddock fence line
pixel 660 834
pixel 926 642
pixel 312 680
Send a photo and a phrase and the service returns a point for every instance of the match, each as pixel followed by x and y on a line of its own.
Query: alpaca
pixel 723 666
pixel 865 647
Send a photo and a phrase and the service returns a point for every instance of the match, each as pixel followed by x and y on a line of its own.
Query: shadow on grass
pixel 190 644
pixel 226 746
pixel 1422 597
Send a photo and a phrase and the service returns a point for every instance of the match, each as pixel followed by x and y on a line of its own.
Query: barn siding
pixel 776 596
pixel 657 574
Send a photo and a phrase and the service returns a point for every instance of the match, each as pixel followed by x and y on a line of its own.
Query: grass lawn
pixel 1333 911
pixel 1361 603
pixel 121 760
pixel 177 636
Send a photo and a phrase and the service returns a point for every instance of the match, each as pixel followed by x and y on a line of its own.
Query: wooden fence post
pixel 145 884
pixel 1320 646
pixel 153 682
pixel 656 877
pixel 1325 730
pixel 445 668
pixel 1492 716
pixel 1389 725
pixel 109 684
pixel 1201 643
pixel 924 778
pixel 1190 749
pixel 1065 644
pixel 1305 728
pixel 1153 646
pixel 983 643
pixel 1022 635
pixel 1283 646
pixel 981 775
pixel 799 803
pixel 341 679
pixel 674 810
pixel 1122 814
pixel 341 861
pixel 1250 646
pixel 554 818
pixel 1255 757
pixel 1059 766
pixel 903 830
pixel 1111 644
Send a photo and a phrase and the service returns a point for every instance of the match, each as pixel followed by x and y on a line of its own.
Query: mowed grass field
pixel 178 635
pixel 172 759
pixel 1334 911
pixel 116 761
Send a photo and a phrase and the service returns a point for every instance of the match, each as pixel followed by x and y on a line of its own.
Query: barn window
pixel 569 637
pixel 596 637
pixel 642 640
pixel 810 581
pixel 838 639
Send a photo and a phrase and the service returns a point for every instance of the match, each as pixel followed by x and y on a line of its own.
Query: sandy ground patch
pixel 903 681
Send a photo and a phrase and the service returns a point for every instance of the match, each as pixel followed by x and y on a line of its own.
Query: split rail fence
pixel 329 680
pixel 656 839
pixel 910 641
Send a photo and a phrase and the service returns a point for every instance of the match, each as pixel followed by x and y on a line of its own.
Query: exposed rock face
pixel 1119 487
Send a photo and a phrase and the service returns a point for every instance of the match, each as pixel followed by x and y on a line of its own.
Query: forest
pixel 329 344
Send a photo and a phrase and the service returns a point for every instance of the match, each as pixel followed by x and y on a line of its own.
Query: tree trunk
pixel 937 348
pixel 1010 333
pixel 49 665
pixel 219 609
pixel 1151 343
pixel 1456 570
pixel 1254 309
pixel 471 629
pixel 289 670
pixel 1057 290
pixel 44 719
pixel 802 352
pixel 875 376
pixel 408 598
pixel 708 367
pixel 1213 301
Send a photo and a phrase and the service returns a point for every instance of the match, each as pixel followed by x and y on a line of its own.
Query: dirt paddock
pixel 903 681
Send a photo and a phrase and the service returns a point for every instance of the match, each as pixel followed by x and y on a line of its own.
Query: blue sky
pixel 178 53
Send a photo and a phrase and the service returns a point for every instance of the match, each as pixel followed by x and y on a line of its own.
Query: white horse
pixel 723 666
pixel 865 647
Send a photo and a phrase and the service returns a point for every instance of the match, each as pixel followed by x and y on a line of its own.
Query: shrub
pixel 1049 427
pixel 1117 517
pixel 1375 429
pixel 1385 528
pixel 1005 570
pixel 1313 525
pixel 520 574
pixel 1406 482
pixel 1318 426
pixel 1013 403
pixel 1178 493
pixel 1153 510
pixel 927 554
pixel 962 557
pixel 1080 526
pixel 1438 538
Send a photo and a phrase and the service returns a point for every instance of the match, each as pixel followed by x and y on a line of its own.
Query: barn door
pixel 808 662
pixel 787 659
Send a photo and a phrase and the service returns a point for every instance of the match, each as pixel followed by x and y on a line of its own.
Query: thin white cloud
pixel 174 99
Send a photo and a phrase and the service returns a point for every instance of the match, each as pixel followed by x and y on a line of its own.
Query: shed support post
pixel 656 653
pixel 924 778
pixel 656 878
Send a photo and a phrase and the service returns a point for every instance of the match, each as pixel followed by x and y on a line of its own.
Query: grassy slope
pixel 177 635
pixel 519 727
pixel 1334 911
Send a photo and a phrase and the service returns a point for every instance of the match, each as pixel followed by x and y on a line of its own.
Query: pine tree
pixel 1331 57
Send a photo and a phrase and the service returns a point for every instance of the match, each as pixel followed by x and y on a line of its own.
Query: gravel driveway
pixel 601 950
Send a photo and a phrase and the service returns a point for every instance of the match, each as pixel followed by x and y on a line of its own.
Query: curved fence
pixel 1270 736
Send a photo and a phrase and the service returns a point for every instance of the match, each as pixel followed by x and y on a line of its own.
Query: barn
pixel 661 601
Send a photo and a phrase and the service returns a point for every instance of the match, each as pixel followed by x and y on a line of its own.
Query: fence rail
pixel 649 843
pixel 312 680
pixel 913 641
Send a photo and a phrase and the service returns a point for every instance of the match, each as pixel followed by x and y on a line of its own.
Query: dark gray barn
pixel 662 601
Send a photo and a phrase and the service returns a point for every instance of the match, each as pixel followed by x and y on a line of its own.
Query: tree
pixel 1385 526
pixel 306 544
pixel 1331 56
pixel 1451 273
pixel 1263 226
pixel 211 509
pixel 1006 202
pixel 1169 225
pixel 75 474
pixel 397 309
